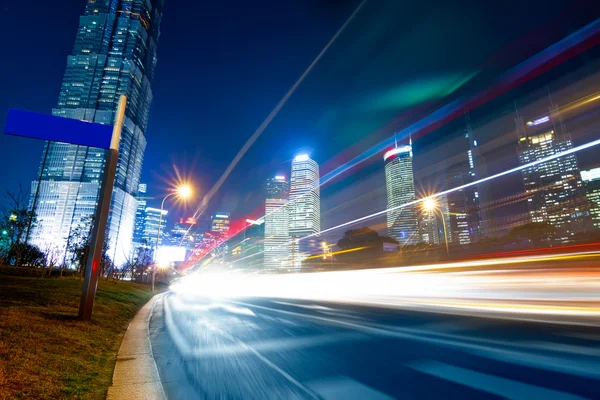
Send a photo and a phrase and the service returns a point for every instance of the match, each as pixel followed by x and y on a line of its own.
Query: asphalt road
pixel 282 349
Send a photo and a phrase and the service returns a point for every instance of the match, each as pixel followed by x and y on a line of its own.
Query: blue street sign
pixel 57 129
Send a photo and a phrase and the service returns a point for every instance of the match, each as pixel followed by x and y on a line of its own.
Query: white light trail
pixel 477 182
pixel 271 116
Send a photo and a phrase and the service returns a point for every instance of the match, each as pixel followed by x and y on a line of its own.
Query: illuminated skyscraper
pixel 305 208
pixel 114 54
pixel 220 223
pixel 434 223
pixel 591 180
pixel 140 216
pixel 402 222
pixel 556 193
pixel 464 205
pixel 277 223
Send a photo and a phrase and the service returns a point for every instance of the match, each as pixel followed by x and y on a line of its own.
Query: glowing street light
pixel 183 192
pixel 431 206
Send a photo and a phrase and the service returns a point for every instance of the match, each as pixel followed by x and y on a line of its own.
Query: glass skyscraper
pixel 114 54
pixel 556 192
pixel 591 180
pixel 277 223
pixel 305 208
pixel 466 225
pixel 402 222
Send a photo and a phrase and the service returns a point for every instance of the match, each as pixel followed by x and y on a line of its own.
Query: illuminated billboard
pixel 170 254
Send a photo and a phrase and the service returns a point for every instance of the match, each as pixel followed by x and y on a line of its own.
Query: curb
pixel 136 375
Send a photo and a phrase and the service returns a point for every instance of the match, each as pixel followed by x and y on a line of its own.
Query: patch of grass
pixel 45 352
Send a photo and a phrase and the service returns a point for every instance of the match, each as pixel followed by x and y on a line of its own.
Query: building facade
pixel 114 54
pixel 152 219
pixel 465 215
pixel 434 223
pixel 140 216
pixel 591 180
pixel 305 209
pixel 402 221
pixel 220 223
pixel 277 223
pixel 555 191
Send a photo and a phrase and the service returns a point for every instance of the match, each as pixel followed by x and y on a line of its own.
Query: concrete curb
pixel 136 375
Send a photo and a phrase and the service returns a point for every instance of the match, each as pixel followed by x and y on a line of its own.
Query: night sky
pixel 222 67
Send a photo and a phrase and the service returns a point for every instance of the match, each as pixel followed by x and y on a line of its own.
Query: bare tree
pixel 16 221
pixel 52 258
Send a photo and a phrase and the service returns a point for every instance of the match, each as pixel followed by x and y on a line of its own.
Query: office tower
pixel 466 225
pixel 140 216
pixel 434 222
pixel 402 222
pixel 186 233
pixel 277 223
pixel 220 223
pixel 114 54
pixel 556 193
pixel 151 222
pixel 591 180
pixel 305 209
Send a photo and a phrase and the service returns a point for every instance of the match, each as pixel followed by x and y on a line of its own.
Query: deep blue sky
pixel 224 65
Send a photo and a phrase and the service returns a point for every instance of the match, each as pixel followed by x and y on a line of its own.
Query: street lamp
pixel 431 206
pixel 183 192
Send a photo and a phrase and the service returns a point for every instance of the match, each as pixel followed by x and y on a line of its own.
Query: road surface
pixel 269 348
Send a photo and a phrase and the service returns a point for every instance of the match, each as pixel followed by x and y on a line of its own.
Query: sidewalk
pixel 136 375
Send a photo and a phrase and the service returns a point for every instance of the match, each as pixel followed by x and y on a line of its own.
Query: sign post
pixel 58 129
pixel 94 259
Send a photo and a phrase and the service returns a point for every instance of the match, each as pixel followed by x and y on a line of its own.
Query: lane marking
pixel 550 363
pixel 489 383
pixel 344 388
pixel 309 306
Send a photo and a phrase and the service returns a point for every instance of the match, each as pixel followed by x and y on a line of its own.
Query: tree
pixel 138 263
pixel 16 222
pixel 78 246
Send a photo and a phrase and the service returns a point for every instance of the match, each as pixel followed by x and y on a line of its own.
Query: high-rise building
pixel 591 180
pixel 277 223
pixel 220 223
pixel 151 222
pixel 402 222
pixel 555 189
pixel 305 209
pixel 464 205
pixel 140 216
pixel 434 222
pixel 114 54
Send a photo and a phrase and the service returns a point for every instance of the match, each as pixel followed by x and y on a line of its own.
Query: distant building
pixel 186 233
pixel 465 216
pixel 220 223
pixel 556 192
pixel 434 224
pixel 140 216
pixel 114 53
pixel 151 222
pixel 277 223
pixel 305 209
pixel 591 180
pixel 402 222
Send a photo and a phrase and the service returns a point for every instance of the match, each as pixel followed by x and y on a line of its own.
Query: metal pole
pixel 162 206
pixel 101 217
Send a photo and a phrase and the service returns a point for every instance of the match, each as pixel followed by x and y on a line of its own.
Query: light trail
pixel 477 182
pixel 271 116
pixel 549 285
pixel 567 48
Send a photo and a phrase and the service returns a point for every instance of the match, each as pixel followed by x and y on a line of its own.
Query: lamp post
pixel 183 192
pixel 430 205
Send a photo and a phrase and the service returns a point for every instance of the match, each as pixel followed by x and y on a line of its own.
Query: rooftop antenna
pixel 410 137
pixel 516 108
pixel 396 139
